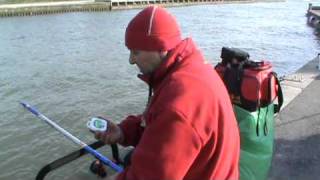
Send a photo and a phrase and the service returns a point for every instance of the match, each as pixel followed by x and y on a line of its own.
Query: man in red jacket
pixel 188 129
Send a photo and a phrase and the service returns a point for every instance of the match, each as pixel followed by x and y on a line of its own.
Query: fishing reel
pixel 98 168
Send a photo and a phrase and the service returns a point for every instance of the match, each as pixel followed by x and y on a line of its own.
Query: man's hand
pixel 113 134
pixel 113 177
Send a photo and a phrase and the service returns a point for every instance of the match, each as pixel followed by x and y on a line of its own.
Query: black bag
pixel 230 54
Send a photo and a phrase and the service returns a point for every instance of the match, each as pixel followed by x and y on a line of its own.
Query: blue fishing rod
pixel 90 150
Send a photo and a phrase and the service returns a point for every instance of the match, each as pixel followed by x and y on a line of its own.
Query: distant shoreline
pixel 42 8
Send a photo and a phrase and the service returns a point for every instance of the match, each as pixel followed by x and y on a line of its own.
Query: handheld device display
pixel 97 124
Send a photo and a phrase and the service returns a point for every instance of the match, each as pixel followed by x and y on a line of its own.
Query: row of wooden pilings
pixel 103 5
pixel 119 4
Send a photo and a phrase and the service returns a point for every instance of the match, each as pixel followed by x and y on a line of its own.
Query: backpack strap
pixel 278 106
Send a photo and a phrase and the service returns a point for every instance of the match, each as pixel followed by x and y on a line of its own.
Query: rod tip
pixel 24 104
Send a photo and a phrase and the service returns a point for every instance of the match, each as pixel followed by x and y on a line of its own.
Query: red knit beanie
pixel 153 29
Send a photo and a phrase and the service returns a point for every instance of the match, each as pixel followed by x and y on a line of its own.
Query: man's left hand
pixel 113 177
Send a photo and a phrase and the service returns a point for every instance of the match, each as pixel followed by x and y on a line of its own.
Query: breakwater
pixel 29 9
pixel 52 7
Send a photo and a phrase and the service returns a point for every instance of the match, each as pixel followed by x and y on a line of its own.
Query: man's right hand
pixel 113 134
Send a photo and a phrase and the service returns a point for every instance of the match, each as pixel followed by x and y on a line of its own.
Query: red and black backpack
pixel 250 84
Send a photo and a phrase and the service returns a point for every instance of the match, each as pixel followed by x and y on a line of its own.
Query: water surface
pixel 74 66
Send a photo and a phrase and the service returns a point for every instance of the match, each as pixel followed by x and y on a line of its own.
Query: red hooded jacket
pixel 188 130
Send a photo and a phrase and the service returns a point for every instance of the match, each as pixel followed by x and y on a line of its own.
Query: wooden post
pixel 310 6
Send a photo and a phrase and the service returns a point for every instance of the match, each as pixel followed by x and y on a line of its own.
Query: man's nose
pixel 131 59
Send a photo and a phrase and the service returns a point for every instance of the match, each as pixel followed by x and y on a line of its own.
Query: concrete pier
pixel 313 10
pixel 294 84
pixel 313 15
pixel 297 140
pixel 102 5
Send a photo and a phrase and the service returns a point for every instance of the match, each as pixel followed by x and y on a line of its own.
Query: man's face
pixel 147 61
